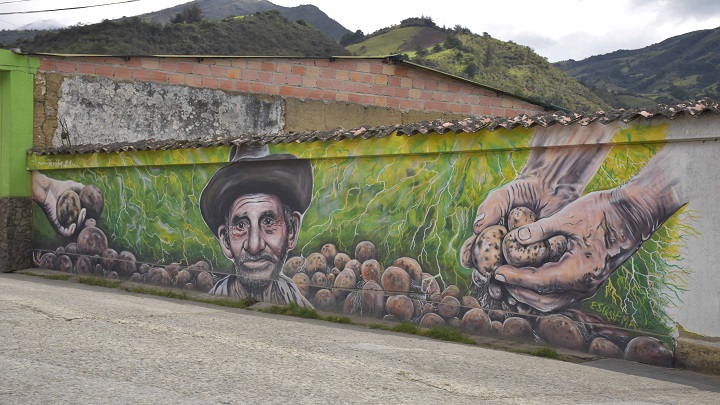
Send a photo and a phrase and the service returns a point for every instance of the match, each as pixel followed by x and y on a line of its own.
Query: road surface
pixel 64 342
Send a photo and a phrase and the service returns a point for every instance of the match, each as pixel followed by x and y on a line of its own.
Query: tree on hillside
pixel 352 38
pixel 190 14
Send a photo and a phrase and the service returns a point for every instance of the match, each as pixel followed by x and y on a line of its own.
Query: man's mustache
pixel 245 257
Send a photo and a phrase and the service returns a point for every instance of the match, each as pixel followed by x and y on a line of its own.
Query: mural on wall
pixel 513 233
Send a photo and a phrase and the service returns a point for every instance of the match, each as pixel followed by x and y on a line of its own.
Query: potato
pixel 449 307
pixel 92 241
pixel 315 262
pixel 112 275
pixel 605 348
pixel 324 300
pixel 90 223
pixel 497 327
pixel 126 264
pixel 204 281
pixel 519 255
pixel 64 264
pixel 318 281
pixel 198 268
pixel 99 271
pixel 371 271
pixel 559 331
pixel 355 266
pixel 183 277
pixel 341 259
pixel 302 282
pixel 60 250
pixel 107 260
pixel 293 266
pixel 412 267
pixel 487 253
pixel 395 281
pixel 92 200
pixel 417 307
pixel 189 286
pixel 136 278
pixel 352 304
pixel 520 216
pixel 476 322
pixel 84 265
pixel 429 284
pixel 496 315
pixel 336 272
pixel 72 249
pixel 648 350
pixel 455 322
pixel 452 291
pixel 427 308
pixel 329 251
pixel 401 307
pixel 330 279
pixel 68 208
pixel 495 291
pixel 48 261
pixel 431 320
pixel 516 328
pixel 467 302
pixel 173 269
pixel 437 297
pixel 344 283
pixel 158 275
pixel 145 268
pixel 365 251
pixel 373 299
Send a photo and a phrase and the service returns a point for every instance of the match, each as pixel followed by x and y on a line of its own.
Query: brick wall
pixel 368 82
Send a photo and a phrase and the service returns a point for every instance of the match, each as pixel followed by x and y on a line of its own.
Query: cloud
pixel 680 10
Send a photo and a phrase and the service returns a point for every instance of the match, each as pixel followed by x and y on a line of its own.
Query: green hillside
pixel 263 34
pixel 220 9
pixel 505 66
pixel 680 68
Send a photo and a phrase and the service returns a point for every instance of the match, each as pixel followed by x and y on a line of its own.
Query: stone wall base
pixel 15 233
pixel 698 353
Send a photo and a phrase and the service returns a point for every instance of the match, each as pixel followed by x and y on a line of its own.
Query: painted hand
pixel 603 230
pixel 46 192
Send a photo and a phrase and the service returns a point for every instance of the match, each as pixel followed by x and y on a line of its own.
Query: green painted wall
pixel 16 118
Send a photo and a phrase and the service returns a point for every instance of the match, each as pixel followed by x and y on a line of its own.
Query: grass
pixel 293 310
pixel 53 276
pixel 438 332
pixel 97 281
pixel 339 319
pixel 182 295
pixel 547 352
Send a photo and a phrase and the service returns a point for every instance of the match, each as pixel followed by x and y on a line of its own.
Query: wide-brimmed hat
pixel 253 170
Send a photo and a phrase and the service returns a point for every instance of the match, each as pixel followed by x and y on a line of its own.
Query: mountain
pixel 42 25
pixel 219 9
pixel 677 69
pixel 262 34
pixel 505 66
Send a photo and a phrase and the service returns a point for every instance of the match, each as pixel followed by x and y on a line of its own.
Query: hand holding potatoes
pixel 47 194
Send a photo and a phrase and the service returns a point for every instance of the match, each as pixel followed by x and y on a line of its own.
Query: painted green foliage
pixel 396 194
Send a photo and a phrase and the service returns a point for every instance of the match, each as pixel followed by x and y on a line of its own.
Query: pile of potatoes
pixel 402 291
pixel 91 255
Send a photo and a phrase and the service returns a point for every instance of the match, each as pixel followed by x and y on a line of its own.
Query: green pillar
pixel 16 136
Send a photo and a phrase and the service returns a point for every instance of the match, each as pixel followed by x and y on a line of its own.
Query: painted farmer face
pixel 257 238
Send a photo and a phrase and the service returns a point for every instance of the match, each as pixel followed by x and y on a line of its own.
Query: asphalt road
pixel 64 342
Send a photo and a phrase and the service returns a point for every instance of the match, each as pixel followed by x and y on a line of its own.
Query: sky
pixel 558 30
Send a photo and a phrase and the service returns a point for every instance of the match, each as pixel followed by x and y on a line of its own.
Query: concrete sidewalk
pixel 64 342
